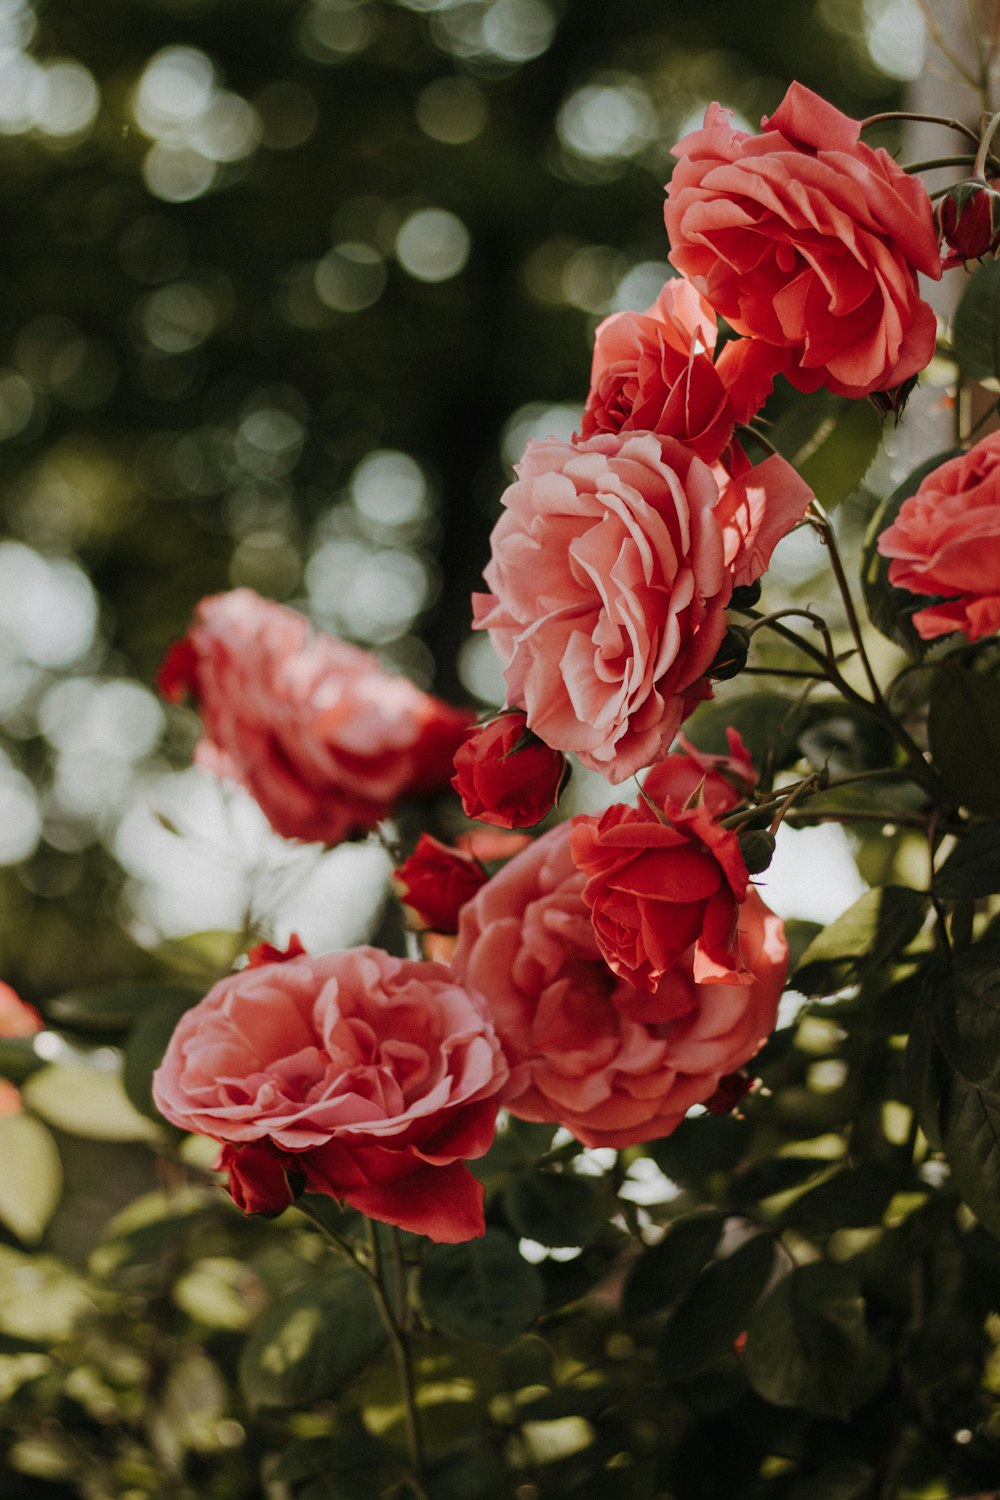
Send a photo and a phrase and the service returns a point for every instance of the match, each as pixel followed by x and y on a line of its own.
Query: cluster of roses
pixel 617 970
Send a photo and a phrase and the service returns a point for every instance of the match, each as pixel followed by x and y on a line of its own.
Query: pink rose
pixel 658 885
pixel 655 371
pixel 809 241
pixel 946 541
pixel 316 730
pixel 363 1076
pixel 611 571
pixel 587 1051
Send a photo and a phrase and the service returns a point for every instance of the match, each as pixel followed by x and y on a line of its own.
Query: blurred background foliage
pixel 287 286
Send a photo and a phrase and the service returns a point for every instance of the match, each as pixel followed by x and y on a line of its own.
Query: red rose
pixel 323 738
pixel 359 1075
pixel 506 776
pixel 968 220
pixel 808 240
pixel 945 541
pixel 611 570
pixel 722 782
pixel 17 1018
pixel 435 883
pixel 655 888
pixel 586 1049
pixel 655 371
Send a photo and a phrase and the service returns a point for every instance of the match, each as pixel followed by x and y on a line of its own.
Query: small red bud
pixel 968 220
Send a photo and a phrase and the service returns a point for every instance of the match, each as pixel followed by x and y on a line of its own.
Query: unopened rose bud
pixel 731 657
pixel 757 848
pixel 730 1091
pixel 968 220
pixel 506 776
pixel 436 882
pixel 746 596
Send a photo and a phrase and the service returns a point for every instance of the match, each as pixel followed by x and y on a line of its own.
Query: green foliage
pixel 972 869
pixel 875 930
pixel 976 329
pixel 482 1290
pixel 554 1208
pixel 709 1317
pixel 963 727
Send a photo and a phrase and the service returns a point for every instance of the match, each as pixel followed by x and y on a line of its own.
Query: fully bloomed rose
pixel 614 1065
pixel 611 570
pixel 809 241
pixel 945 541
pixel 656 371
pixel 356 1074
pixel 656 886
pixel 318 732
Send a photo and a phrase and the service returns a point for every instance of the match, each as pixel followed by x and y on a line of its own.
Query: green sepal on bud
pixel 757 848
pixel 731 657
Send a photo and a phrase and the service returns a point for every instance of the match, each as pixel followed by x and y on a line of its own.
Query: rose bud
pixel 267 953
pixel 506 776
pixel 968 220
pixel 436 882
pixel 730 1091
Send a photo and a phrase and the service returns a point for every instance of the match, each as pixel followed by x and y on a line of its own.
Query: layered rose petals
pixel 356 1074
pixel 809 242
pixel 318 732
pixel 945 542
pixel 435 882
pixel 507 776
pixel 582 1049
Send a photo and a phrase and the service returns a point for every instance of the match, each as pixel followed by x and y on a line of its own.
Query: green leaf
pixel 874 930
pixel 482 1291
pixel 664 1271
pixel 843 741
pixel 890 609
pixel 203 956
pixel 40 1297
pixel 808 1344
pixel 853 1198
pixel 776 1174
pixel 769 723
pixel 555 1208
pixel 843 454
pixel 86 1101
pixel 30 1176
pixel 112 1008
pixel 963 728
pixel 313 1342
pixel 700 1148
pixel 972 869
pixel 713 1313
pixel 976 328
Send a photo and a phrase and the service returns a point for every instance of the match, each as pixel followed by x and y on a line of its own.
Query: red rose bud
pixel 506 776
pixel 258 1180
pixel 730 1091
pixel 968 220
pixel 177 675
pixel 436 882
pixel 267 953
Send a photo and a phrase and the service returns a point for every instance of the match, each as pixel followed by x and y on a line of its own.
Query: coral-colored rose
pixel 17 1018
pixel 808 240
pixel 317 731
pixel 655 888
pixel 722 782
pixel 611 570
pixel 435 883
pixel 363 1076
pixel 656 372
pixel 583 1051
pixel 506 776
pixel 945 541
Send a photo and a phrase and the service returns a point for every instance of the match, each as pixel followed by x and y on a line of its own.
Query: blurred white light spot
pixel 177 317
pixel 537 419
pixel 228 130
pixel 20 819
pixel 606 121
pixel 176 86
pixel 896 37
pixel 433 245
pixel 371 594
pixel 480 670
pixel 518 30
pixel 338 27
pixel 47 606
pixel 117 718
pixel 350 277
pixel 451 110
pixel 22 89
pixel 389 488
pixel 813 875
pixel 16 403
pixel 68 101
pixel 640 287
pixel 177 174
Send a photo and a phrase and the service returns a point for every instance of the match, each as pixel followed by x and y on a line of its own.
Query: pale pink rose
pixel 363 1076
pixel 317 731
pixel 945 541
pixel 611 571
pixel 614 1065
pixel 808 241
pixel 656 371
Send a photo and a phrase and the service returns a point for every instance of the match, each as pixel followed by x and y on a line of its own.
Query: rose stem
pixel 904 114
pixel 400 1351
pixel 979 170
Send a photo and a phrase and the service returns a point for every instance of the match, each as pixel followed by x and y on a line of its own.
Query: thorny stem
pixel 989 130
pixel 821 524
pixel 931 163
pixel 905 114
pixel 814 786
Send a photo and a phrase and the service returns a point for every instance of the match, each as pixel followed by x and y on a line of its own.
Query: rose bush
pixel 945 541
pixel 807 240
pixel 363 1076
pixel 324 739
pixel 611 571
pixel 586 1049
